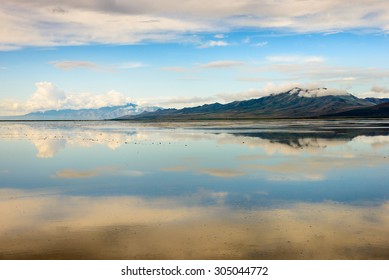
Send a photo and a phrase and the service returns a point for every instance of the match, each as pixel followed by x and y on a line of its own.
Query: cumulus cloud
pixel 46 96
pixel 222 64
pixel 49 97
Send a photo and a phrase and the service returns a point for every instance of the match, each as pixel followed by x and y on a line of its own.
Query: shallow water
pixel 241 190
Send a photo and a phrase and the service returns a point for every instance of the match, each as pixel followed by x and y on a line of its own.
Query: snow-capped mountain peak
pixel 317 92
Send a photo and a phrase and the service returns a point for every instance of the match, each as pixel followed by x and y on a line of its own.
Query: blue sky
pixel 86 54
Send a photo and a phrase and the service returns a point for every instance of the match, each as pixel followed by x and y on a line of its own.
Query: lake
pixel 295 189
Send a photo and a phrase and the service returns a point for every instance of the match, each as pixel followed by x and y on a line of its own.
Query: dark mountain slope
pixel 377 111
pixel 295 103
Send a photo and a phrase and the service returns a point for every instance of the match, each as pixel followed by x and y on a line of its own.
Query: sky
pixel 179 53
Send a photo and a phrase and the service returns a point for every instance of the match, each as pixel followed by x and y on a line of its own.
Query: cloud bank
pixel 42 23
pixel 49 97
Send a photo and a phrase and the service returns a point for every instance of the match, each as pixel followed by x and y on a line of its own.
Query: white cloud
pixel 177 101
pixel 376 91
pixel 260 44
pixel 48 97
pixel 212 43
pixel 82 64
pixel 35 24
pixel 76 22
pixel 268 89
pixel 73 64
pixel 380 89
pixel 222 64
pixel 295 59
pixel 316 69
pixel 318 92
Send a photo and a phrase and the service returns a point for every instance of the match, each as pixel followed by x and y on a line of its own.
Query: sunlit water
pixel 249 190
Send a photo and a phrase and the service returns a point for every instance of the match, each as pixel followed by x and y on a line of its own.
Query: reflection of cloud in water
pixel 295 177
pixel 49 138
pixel 314 168
pixel 70 173
pixel 215 172
pixel 98 171
pixel 291 168
pixel 177 168
pixel 38 226
pixel 375 142
pixel 219 172
pixel 49 147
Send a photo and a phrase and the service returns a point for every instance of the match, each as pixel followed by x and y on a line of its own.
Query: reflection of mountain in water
pixel 301 139
pixel 49 138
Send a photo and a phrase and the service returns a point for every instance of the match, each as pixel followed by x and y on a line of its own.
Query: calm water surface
pixel 246 190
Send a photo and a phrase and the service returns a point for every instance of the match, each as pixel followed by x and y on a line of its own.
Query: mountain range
pixel 295 103
pixel 102 113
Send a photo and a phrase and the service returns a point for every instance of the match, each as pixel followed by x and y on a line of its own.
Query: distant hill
pixel 377 111
pixel 85 114
pixel 295 103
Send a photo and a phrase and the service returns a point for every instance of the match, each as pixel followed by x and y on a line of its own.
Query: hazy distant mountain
pixel 295 103
pixel 377 111
pixel 86 114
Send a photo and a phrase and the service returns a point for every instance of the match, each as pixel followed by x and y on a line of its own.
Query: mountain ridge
pixel 294 103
